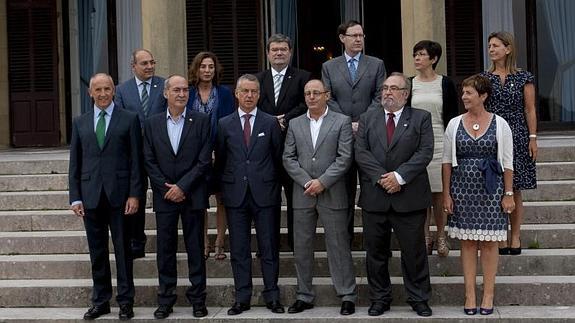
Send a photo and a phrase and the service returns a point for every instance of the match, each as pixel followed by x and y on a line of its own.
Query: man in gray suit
pixel 354 81
pixel 393 146
pixel 317 155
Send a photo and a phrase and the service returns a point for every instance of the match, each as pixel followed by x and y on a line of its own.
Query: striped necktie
pixel 277 86
pixel 145 99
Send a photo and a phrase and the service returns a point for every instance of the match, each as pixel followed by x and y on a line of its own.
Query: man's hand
pixel 132 205
pixel 282 121
pixel 389 183
pixel 78 209
pixel 354 127
pixel 313 187
pixel 174 194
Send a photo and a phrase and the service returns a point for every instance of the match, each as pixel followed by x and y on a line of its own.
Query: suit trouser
pixel 351 187
pixel 287 183
pixel 167 246
pixel 338 251
pixel 408 228
pixel 137 225
pixel 96 222
pixel 267 223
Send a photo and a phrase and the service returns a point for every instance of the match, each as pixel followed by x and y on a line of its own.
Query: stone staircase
pixel 45 266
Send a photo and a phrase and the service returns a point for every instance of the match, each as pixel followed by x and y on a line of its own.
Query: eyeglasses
pixel 360 36
pixel 314 93
pixel 392 88
pixel 248 91
pixel 420 54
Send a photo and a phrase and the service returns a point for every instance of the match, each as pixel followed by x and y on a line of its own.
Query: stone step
pixel 547 212
pixel 546 171
pixel 546 262
pixel 318 314
pixel 533 236
pixel 510 290
pixel 555 148
pixel 556 190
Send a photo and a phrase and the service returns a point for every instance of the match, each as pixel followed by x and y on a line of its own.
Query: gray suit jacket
pixel 128 97
pixel 409 153
pixel 328 162
pixel 353 98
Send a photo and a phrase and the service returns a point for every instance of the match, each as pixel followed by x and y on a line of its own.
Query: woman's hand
pixel 533 149
pixel 447 204
pixel 508 204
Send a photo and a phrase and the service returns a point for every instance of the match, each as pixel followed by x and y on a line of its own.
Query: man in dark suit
pixel 178 154
pixel 318 152
pixel 282 96
pixel 354 81
pixel 105 188
pixel 143 95
pixel 393 146
pixel 248 162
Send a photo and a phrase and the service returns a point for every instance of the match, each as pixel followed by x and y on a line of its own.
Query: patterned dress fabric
pixel 508 102
pixel 477 215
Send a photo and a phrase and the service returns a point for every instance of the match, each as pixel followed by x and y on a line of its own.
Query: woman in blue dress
pixel 208 96
pixel 477 175
pixel 513 99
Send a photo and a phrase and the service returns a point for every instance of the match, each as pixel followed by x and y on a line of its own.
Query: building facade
pixel 50 48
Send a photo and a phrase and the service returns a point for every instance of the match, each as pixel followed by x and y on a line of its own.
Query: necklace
pixel 475 126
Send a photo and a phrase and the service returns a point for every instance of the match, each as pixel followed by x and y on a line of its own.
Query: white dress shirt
pixel 315 126
pixel 175 127
pixel 252 118
pixel 397 114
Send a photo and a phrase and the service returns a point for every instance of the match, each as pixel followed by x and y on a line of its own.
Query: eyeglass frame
pixel 360 36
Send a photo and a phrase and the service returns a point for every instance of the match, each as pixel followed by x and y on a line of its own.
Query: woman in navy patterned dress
pixel 477 176
pixel 513 99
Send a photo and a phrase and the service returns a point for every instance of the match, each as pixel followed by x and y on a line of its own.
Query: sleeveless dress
pixel 477 214
pixel 428 96
pixel 508 102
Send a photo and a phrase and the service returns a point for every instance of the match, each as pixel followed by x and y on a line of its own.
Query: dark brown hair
pixel 194 68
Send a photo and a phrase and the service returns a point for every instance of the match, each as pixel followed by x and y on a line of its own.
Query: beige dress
pixel 428 96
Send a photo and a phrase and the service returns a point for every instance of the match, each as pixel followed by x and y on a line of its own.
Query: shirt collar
pixel 242 113
pixel 139 82
pixel 282 72
pixel 320 118
pixel 396 113
pixel 182 116
pixel 109 109
pixel 347 57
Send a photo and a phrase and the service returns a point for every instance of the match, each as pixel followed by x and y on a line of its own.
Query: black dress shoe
pixel 299 306
pixel 96 311
pixel 200 310
pixel 126 312
pixel 238 308
pixel 515 251
pixel 422 309
pixel 378 308
pixel 347 308
pixel 163 311
pixel 275 307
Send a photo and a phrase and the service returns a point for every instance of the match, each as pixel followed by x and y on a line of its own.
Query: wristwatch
pixel 509 193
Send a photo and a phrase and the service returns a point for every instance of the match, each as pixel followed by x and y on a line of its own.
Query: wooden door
pixel 33 73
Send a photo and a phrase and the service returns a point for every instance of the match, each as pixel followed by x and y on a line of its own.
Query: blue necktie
pixel 352 69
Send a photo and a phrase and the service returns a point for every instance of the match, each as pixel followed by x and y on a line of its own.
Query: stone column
pixel 164 34
pixel 422 20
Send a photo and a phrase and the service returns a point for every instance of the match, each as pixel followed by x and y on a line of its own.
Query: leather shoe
pixel 275 307
pixel 163 311
pixel 96 311
pixel 486 311
pixel 347 308
pixel 378 308
pixel 126 312
pixel 299 306
pixel 238 308
pixel 200 310
pixel 421 308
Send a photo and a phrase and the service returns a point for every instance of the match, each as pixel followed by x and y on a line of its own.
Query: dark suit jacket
pixel 258 166
pixel 116 168
pixel 128 97
pixel 353 98
pixel 409 153
pixel 291 100
pixel 187 168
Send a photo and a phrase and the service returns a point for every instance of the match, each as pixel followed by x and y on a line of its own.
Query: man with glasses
pixel 247 166
pixel 354 81
pixel 141 94
pixel 282 96
pixel 317 155
pixel 393 146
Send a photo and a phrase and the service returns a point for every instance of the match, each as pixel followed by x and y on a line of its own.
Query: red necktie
pixel 390 127
pixel 247 129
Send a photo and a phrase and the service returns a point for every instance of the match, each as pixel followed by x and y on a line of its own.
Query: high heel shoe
pixel 207 250
pixel 486 311
pixel 429 244
pixel 220 255
pixel 442 246
pixel 470 311
pixel 504 251
pixel 515 251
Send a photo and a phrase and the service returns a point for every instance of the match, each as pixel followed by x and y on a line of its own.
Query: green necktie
pixel 101 129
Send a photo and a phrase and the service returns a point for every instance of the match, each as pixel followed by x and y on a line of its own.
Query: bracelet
pixel 532 136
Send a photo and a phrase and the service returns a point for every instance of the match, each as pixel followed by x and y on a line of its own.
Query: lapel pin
pixel 155 85
pixel 190 119
pixel 405 124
